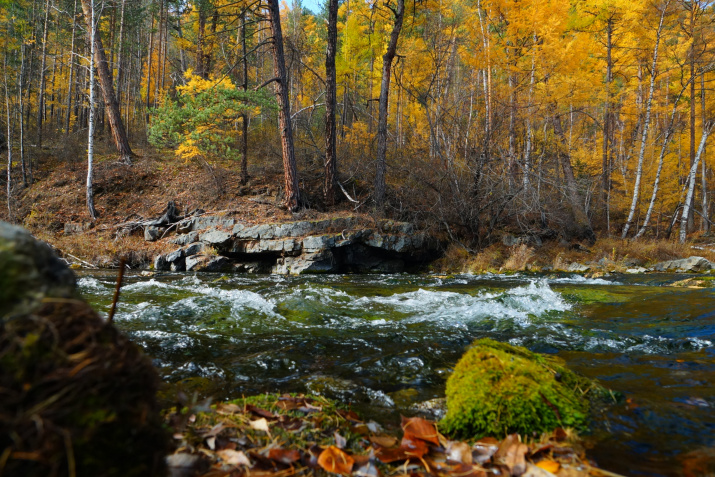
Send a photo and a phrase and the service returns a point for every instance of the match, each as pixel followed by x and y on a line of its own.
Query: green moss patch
pixel 497 389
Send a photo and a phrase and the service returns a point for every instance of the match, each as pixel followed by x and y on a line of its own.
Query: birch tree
pixel 90 129
pixel 646 124
pixel 707 128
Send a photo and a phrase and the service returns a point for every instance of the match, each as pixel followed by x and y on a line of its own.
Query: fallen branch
pixel 80 260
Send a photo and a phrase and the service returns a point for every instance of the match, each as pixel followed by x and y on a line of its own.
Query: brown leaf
pixel 284 456
pixel 484 449
pixel 290 424
pixel 413 447
pixel 260 412
pixel 512 454
pixel 383 441
pixel 369 469
pixel 349 415
pixel 560 434
pixel 336 461
pixel 421 429
pixel 391 455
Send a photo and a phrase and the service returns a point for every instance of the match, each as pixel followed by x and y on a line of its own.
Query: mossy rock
pixel 498 389
pixel 76 397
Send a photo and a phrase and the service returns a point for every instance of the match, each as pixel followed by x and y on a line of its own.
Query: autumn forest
pixel 573 118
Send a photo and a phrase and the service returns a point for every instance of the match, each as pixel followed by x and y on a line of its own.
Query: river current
pixel 388 341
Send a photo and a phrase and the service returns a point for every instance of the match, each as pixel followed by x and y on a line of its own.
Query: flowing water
pixel 385 342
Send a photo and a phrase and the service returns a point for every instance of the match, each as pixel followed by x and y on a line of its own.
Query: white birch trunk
pixel 9 143
pixel 663 148
pixel 646 125
pixel 691 183
pixel 90 138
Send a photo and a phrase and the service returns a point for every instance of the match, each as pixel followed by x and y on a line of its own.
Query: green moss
pixel 497 388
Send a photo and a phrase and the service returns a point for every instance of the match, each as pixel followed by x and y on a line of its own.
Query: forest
pixel 570 118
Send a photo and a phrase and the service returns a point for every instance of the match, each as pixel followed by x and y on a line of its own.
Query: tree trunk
pixel 387 58
pixel 105 81
pixel 292 194
pixel 26 171
pixel 663 149
pixel 691 61
pixel 244 116
pixel 90 136
pixel 120 48
pixel 43 65
pixel 605 165
pixel 331 169
pixel 71 66
pixel 691 182
pixel 9 143
pixel 646 125
pixel 704 182
pixel 580 229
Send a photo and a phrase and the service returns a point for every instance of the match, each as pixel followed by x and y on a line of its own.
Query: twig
pixel 80 260
pixel 120 276
pixel 346 193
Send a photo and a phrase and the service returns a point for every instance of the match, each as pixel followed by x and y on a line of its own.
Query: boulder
pixel 194 248
pixel 318 262
pixel 160 264
pixel 176 260
pixel 76 393
pixel 152 233
pixel 690 264
pixel 215 237
pixel 498 389
pixel 29 271
pixel 578 268
pixel 185 239
pixel 207 263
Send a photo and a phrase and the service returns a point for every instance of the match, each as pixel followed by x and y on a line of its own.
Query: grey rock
pixel 207 263
pixel 152 233
pixel 215 237
pixel 578 267
pixel 185 239
pixel 633 262
pixel 690 264
pixel 29 271
pixel 320 262
pixel 194 249
pixel 208 221
pixel 314 243
pixel 176 260
pixel 160 264
pixel 185 226
pixel 637 270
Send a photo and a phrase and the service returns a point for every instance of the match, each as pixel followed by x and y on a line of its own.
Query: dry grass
pixel 519 258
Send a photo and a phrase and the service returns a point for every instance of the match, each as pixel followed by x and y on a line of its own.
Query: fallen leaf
pixel 340 441
pixel 349 415
pixel 383 441
pixel 232 457
pixel 261 425
pixel 284 456
pixel 260 412
pixel 291 424
pixel 211 442
pixel 413 447
pixel 560 434
pixel 459 452
pixel 391 455
pixel 549 465
pixel 336 461
pixel 228 408
pixel 367 470
pixel 514 457
pixel 421 429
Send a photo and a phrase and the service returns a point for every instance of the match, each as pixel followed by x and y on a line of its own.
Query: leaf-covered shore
pixel 286 435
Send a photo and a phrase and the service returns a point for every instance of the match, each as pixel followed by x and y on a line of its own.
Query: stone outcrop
pixel 690 264
pixel 341 244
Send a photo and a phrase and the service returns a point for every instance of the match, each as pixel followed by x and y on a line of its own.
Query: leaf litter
pixel 297 435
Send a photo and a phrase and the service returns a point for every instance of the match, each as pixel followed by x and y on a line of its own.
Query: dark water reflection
pixel 385 341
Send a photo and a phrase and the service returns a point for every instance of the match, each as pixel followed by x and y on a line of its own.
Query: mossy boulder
pixel 498 389
pixel 76 396
pixel 29 271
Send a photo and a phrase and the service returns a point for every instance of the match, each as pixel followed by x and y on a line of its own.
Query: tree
pixel 331 168
pixel 119 134
pixel 380 160
pixel 90 130
pixel 290 171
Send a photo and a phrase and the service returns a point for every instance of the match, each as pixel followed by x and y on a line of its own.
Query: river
pixel 386 341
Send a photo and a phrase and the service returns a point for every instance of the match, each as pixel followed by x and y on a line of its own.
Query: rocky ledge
pixel 336 245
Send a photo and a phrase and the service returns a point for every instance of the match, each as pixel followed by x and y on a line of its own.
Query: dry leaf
pixel 232 457
pixel 383 441
pixel 413 447
pixel 549 466
pixel 228 408
pixel 260 412
pixel 340 441
pixel 421 429
pixel 459 452
pixel 336 461
pixel 261 425
pixel 284 456
pixel 391 455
